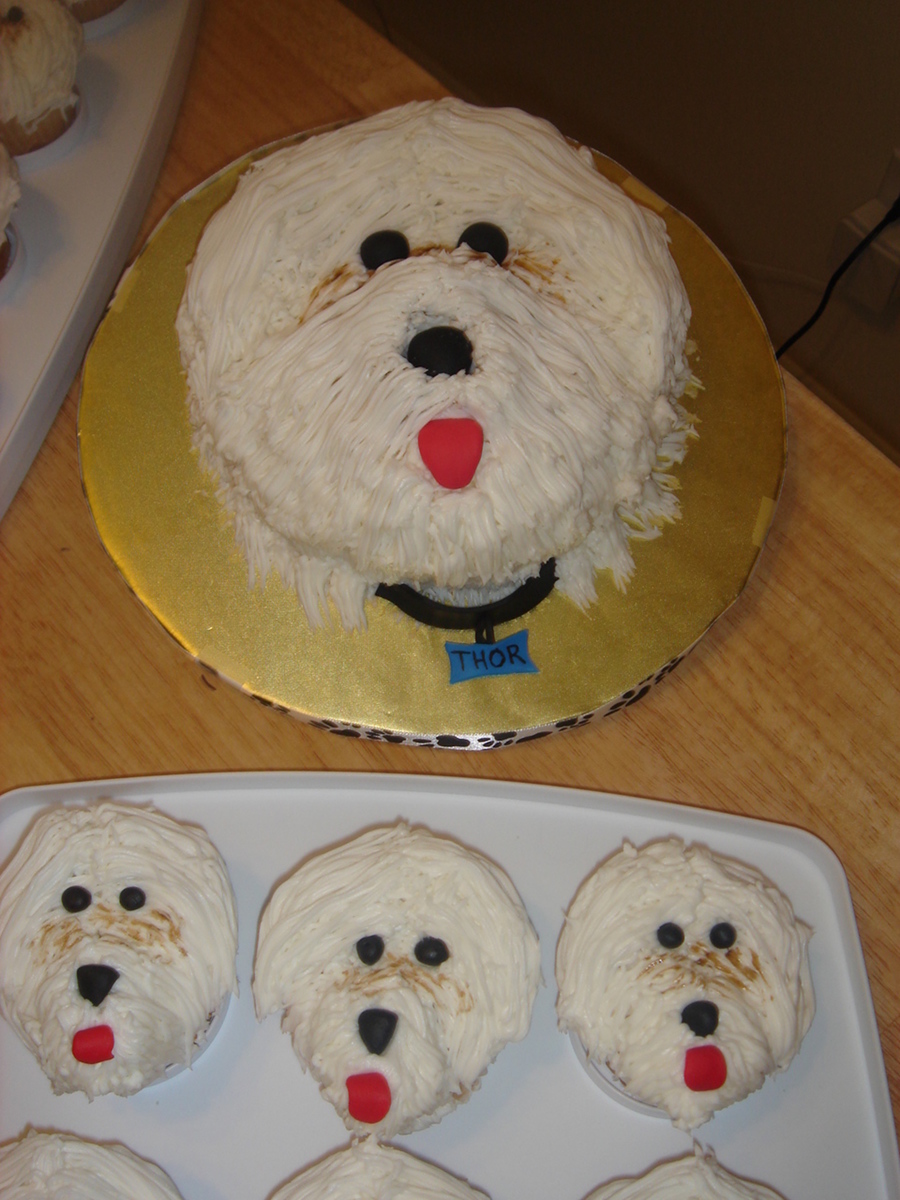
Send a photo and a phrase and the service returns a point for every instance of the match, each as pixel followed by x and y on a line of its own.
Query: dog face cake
pixel 366 1170
pixel 685 975
pixel 696 1177
pixel 402 963
pixel 118 934
pixel 436 348
pixel 58 1166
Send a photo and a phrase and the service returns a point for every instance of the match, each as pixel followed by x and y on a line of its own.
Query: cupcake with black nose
pixel 118 935
pixel 683 977
pixel 401 963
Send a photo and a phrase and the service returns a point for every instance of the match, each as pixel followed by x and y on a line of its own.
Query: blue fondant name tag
pixel 473 661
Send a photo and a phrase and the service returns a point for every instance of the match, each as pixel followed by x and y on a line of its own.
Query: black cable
pixel 892 214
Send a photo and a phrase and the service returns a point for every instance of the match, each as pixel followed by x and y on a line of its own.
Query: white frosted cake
pixel 437 348
pixel 685 975
pixel 118 935
pixel 40 45
pixel 402 963
pixel 366 1170
pixel 696 1177
pixel 59 1166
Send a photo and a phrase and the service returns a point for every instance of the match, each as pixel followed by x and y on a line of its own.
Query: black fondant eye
pixel 132 897
pixel 431 951
pixel 486 239
pixel 669 935
pixel 387 245
pixel 723 935
pixel 76 899
pixel 14 15
pixel 370 948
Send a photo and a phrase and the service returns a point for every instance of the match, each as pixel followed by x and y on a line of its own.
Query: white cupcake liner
pixel 600 1074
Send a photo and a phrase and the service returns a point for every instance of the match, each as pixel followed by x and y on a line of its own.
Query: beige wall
pixel 766 123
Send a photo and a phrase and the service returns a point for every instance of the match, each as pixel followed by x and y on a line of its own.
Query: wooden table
pixel 788 710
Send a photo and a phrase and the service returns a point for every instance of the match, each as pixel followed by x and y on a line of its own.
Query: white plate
pixel 83 197
pixel 246 1117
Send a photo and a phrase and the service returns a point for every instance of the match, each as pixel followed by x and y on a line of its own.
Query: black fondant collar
pixel 480 617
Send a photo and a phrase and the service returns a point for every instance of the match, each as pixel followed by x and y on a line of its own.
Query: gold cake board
pixel 157 513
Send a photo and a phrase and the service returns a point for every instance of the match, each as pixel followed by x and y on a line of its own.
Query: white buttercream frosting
pixel 305 406
pixel 625 994
pixel 696 1177
pixel 68 927
pixel 38 59
pixel 10 190
pixel 366 1170
pixel 399 884
pixel 59 1166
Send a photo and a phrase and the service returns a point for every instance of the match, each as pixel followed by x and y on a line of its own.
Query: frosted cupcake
pixel 369 1171
pixel 685 976
pixel 118 934
pixel 40 43
pixel 58 1166
pixel 402 963
pixel 9 198
pixel 91 10
pixel 696 1177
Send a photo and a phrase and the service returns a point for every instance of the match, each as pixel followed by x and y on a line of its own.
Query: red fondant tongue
pixel 368 1097
pixel 705 1068
pixel 451 449
pixel 93 1045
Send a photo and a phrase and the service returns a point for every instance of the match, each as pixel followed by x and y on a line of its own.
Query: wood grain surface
pixel 789 709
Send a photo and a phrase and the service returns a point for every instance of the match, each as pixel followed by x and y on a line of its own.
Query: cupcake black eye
pixel 14 15
pixel 431 951
pixel 370 948
pixel 723 935
pixel 387 245
pixel 669 935
pixel 76 899
pixel 486 239
pixel 132 898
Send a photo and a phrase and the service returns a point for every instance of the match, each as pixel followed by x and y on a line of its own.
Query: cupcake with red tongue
pixel 402 963
pixel 683 978
pixel 118 935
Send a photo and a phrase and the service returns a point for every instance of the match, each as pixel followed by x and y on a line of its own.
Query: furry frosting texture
pixel 402 963
pixel 40 44
pixel 367 1170
pixel 309 391
pixel 685 974
pixel 58 1166
pixel 10 189
pixel 696 1177
pixel 118 934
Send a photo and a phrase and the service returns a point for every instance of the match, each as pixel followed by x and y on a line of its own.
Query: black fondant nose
pixel 376 1028
pixel 95 981
pixel 701 1017
pixel 440 350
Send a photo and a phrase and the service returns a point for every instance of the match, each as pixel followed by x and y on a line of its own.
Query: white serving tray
pixel 82 201
pixel 246 1117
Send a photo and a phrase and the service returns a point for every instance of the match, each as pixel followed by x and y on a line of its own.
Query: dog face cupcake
pixel 367 1170
pixel 10 191
pixel 118 934
pixel 402 963
pixel 40 44
pixel 695 1177
pixel 58 1166
pixel 437 348
pixel 685 975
